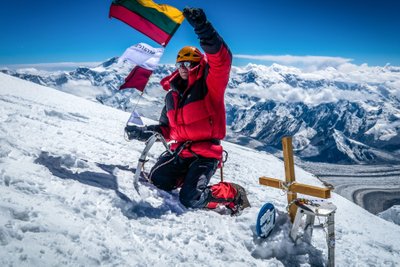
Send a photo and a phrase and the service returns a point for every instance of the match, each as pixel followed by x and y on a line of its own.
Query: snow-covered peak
pixel 392 214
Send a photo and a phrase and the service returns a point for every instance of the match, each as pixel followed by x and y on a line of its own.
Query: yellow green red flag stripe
pixel 170 11
pixel 159 22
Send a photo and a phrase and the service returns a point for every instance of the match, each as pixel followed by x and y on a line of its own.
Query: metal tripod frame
pixel 311 211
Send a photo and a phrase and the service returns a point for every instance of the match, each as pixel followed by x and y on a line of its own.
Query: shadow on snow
pixel 58 166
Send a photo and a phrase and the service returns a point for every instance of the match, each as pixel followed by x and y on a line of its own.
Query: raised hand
pixel 195 16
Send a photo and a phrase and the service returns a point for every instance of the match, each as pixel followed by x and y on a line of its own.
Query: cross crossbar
pixel 296 187
pixel 290 184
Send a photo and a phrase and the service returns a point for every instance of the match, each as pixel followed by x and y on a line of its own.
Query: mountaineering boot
pixel 240 201
pixel 230 195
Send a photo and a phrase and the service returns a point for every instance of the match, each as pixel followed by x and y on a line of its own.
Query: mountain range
pixel 346 114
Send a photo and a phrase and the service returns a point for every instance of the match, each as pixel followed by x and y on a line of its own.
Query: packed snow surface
pixel 67 199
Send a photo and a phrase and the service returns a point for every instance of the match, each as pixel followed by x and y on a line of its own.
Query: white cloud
pixel 83 88
pixel 306 62
pixel 282 92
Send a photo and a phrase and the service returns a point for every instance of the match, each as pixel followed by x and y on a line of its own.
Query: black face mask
pixel 182 85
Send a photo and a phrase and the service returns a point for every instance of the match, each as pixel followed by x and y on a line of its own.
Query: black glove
pixel 195 17
pixel 138 133
pixel 209 39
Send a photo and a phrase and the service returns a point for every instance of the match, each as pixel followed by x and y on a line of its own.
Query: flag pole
pixel 137 102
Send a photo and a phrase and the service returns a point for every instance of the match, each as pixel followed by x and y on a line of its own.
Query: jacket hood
pixel 194 74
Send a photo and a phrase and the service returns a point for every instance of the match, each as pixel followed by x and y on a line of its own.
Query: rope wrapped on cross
pixel 290 185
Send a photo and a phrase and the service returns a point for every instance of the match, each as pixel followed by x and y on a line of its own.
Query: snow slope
pixel 67 199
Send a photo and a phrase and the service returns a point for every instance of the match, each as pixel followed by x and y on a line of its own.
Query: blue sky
pixel 45 31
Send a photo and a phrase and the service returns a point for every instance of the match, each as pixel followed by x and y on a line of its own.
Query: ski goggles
pixel 185 64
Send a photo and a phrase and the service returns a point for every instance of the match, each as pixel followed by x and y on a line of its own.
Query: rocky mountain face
pixel 338 116
pixel 348 114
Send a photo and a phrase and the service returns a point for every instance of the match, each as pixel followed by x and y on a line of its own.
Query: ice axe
pixel 142 159
pixel 136 120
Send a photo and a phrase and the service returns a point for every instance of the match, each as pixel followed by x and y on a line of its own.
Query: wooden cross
pixel 290 184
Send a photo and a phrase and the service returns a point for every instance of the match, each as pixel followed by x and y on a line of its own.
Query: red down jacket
pixel 195 110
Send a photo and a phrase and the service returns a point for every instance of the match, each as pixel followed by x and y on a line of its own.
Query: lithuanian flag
pixel 159 22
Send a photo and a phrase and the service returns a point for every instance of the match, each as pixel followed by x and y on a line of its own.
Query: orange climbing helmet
pixel 189 53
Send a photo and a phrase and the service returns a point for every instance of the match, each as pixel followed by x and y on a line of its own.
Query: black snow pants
pixel 192 174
